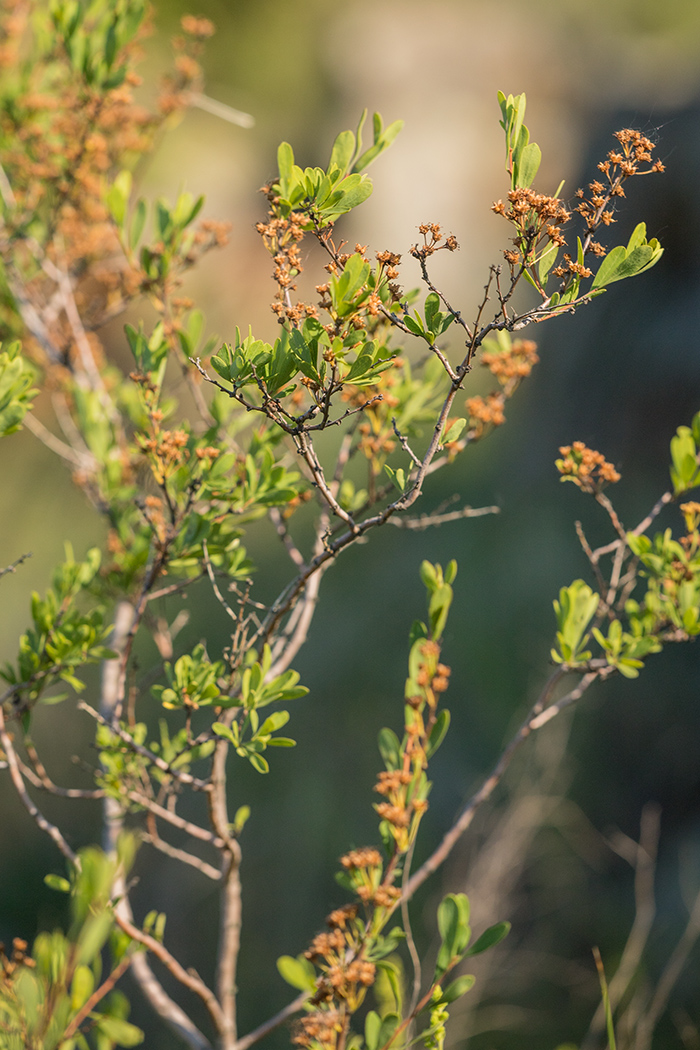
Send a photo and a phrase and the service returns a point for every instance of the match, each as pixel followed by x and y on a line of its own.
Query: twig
pixel 221 109
pixel 189 978
pixel 410 942
pixel 671 973
pixel 283 533
pixel 40 778
pixel 214 585
pixel 290 645
pixel 99 994
pixel 38 817
pixel 139 749
pixel 180 854
pixel 533 721
pixel 667 497
pixel 269 1026
pixel 642 857
pixel 61 448
pixel 177 821
pixel 426 521
pixel 404 443
pixel 15 564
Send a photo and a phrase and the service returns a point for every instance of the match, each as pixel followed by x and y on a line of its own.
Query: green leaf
pixel 299 972
pixel 57 882
pixel 117 197
pixel 529 163
pixel 258 762
pixel 628 262
pixel 389 748
pixel 119 1031
pixel 342 152
pixel 489 938
pixel 458 988
pixel 438 732
pixel 454 431
pixel 138 221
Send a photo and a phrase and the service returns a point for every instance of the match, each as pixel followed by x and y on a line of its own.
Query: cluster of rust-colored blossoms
pixel 346 954
pixel 620 165
pixel 510 363
pixel 585 467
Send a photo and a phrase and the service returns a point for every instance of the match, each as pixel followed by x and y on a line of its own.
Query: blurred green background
pixel 620 376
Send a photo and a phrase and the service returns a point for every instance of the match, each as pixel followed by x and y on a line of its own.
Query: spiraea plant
pixel 181 480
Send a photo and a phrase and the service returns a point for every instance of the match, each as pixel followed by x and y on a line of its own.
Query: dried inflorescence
pixel 538 219
pixel 512 364
pixel 634 158
pixel 433 241
pixel 585 467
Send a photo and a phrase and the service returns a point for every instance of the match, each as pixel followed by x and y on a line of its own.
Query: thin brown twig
pixel 426 521
pixel 97 996
pixel 37 816
pixel 189 978
pixel 533 721
pixel 139 749
pixel 182 855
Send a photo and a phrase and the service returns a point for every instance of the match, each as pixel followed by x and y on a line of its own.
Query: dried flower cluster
pixel 433 241
pixel 620 165
pixel 585 467
pixel 339 954
pixel 537 218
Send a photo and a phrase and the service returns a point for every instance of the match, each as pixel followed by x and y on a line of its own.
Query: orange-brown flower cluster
pixel 361 858
pixel 485 412
pixel 282 237
pixel 512 365
pixel 166 448
pixel 374 445
pixel 187 75
pixel 585 467
pixel 18 957
pixel 432 238
pixel 538 220
pixel 569 268
pixel 321 1029
pixel 634 158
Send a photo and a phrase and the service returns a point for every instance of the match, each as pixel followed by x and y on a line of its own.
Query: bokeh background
pixel 621 376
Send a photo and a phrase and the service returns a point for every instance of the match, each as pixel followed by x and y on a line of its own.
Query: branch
pixel 230 916
pixel 269 1026
pixel 673 970
pixel 18 561
pixel 538 716
pixel 38 817
pixel 172 818
pixel 189 978
pixel 426 521
pixel 139 749
pixel 99 994
pixel 40 778
pixel 182 855
pixel 642 857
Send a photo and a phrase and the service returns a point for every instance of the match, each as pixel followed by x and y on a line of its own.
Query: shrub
pixel 356 402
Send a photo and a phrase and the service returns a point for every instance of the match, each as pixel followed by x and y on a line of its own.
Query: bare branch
pixel 189 978
pixel 671 973
pixel 538 716
pixel 180 854
pixel 15 564
pixel 38 817
pixel 177 821
pixel 426 521
pixel 642 857
pixel 269 1026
